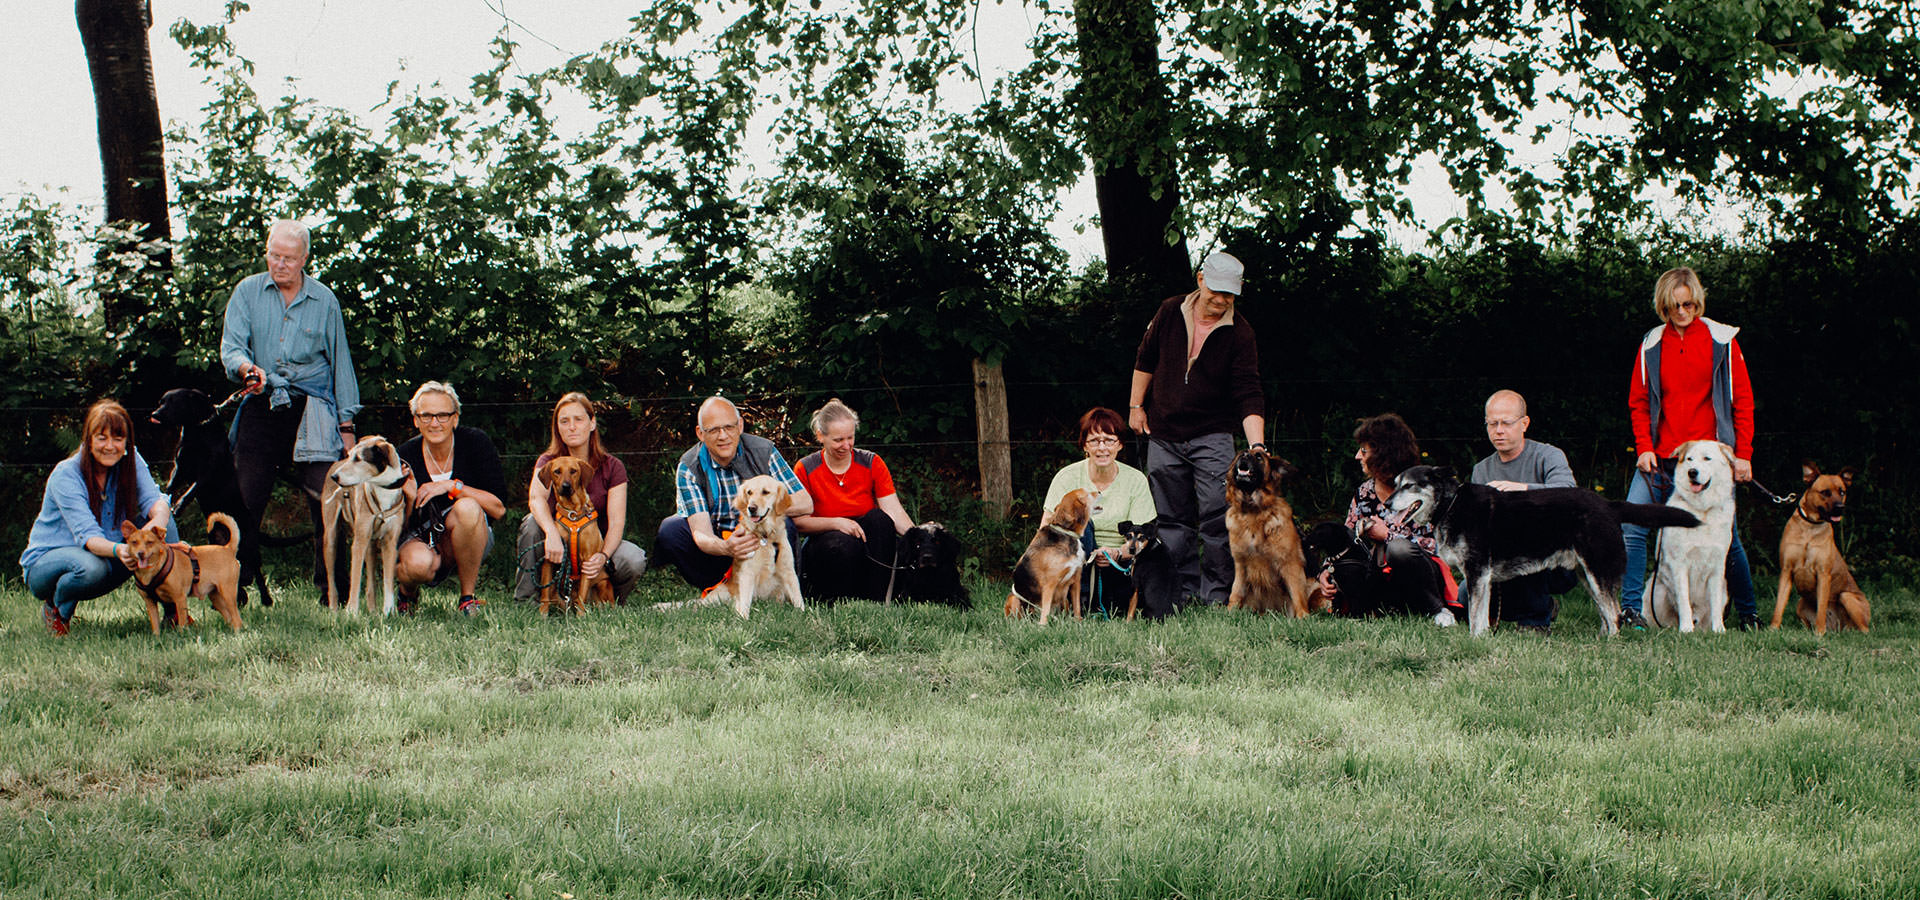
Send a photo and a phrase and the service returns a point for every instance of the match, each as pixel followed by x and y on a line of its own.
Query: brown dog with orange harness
pixel 170 573
pixel 1810 560
pixel 565 478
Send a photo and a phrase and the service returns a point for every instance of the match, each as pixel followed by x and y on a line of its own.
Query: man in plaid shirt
pixel 705 482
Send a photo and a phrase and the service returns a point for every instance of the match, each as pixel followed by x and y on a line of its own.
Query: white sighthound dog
pixel 1691 586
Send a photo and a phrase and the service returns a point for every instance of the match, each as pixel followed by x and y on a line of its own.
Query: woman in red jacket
pixel 1689 383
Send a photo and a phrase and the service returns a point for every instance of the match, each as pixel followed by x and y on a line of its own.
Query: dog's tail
pixel 1653 515
pixel 233 528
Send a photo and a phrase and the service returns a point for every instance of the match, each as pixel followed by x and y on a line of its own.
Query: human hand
pixel 253 378
pixel 1104 556
pixel 1742 469
pixel 850 527
pixel 1326 583
pixel 430 490
pixel 554 551
pixel 1137 420
pixel 592 566
pixel 1507 485
pixel 1376 529
pixel 1647 462
pixel 742 543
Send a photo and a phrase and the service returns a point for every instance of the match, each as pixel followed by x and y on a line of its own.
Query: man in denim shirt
pixel 286 341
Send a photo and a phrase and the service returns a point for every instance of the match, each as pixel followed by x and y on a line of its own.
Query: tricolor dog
pixel 1048 573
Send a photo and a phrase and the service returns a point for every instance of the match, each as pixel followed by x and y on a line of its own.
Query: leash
pixel 1776 498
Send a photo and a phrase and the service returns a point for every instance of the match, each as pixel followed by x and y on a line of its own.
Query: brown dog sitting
pixel 565 478
pixel 1049 570
pixel 1269 569
pixel 1810 559
pixel 170 573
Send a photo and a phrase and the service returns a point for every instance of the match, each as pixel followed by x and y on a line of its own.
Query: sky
pixel 343 53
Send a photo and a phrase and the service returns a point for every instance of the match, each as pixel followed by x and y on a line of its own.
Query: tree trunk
pixel 114 33
pixel 1124 108
pixel 996 454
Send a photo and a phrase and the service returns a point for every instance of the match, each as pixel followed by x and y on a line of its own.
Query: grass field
pixel 861 751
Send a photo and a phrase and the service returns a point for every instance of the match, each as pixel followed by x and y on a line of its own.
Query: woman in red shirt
pixel 850 537
pixel 1689 384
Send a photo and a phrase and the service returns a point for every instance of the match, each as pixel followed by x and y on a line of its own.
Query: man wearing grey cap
pixel 1195 377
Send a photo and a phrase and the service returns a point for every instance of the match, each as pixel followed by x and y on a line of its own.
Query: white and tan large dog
pixel 762 504
pixel 363 512
pixel 1691 586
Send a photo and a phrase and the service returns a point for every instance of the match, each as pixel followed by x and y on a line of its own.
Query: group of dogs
pixel 1490 536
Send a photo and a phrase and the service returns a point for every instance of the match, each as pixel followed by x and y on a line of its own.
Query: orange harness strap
pixel 574 522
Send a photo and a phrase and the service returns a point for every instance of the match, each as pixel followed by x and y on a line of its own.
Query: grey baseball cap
pixel 1222 273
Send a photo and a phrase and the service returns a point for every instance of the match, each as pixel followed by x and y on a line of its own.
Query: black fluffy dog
pixel 929 567
pixel 1329 545
pixel 203 471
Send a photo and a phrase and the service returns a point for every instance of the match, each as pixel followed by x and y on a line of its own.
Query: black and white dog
pixel 1495 535
pixel 928 567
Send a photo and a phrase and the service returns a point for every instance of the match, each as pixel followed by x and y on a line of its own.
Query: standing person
pixel 694 540
pixel 1399 572
pixel 1518 464
pixel 1120 494
pixel 1195 378
pixel 576 432
pixel 1689 384
pixel 456 483
pixel 72 554
pixel 285 340
pixel 856 517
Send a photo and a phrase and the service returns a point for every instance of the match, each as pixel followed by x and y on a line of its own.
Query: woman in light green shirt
pixel 1119 493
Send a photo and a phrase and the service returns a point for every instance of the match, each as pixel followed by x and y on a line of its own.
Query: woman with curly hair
pixel 1397 570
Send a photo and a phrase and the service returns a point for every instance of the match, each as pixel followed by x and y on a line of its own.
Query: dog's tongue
pixel 1696 488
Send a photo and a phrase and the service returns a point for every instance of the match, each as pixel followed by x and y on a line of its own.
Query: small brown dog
pixel 565 478
pixel 170 573
pixel 1810 559
pixel 1049 570
pixel 1269 569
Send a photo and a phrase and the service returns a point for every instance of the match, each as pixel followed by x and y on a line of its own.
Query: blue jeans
pixel 1656 488
pixel 68 575
pixel 1189 482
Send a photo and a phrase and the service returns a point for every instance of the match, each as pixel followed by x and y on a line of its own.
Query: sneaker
pixel 1443 618
pixel 1630 619
pixel 470 605
pixel 404 604
pixel 55 624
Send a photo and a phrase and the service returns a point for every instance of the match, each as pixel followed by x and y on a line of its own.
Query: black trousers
pixel 1405 580
pixel 835 565
pixel 262 450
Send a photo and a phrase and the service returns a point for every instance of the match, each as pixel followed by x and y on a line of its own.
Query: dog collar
pixel 1801 511
pixel 1063 532
pixel 396 483
pixel 152 588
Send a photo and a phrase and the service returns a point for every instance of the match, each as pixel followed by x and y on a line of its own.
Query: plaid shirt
pixel 725 484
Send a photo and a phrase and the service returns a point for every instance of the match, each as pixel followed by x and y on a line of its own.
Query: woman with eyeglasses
pixel 459 485
pixel 1120 493
pixel 1689 383
pixel 857 516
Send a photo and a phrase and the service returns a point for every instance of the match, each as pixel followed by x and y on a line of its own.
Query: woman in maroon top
pixel 575 431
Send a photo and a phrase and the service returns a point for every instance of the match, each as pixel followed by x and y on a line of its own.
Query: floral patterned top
pixel 1366 504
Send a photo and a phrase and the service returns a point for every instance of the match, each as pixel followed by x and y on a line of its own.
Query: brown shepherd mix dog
pixel 170 573
pixel 1269 570
pixel 1810 560
pixel 566 480
pixel 1050 568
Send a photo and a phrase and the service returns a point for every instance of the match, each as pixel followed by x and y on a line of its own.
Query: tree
pixel 114 33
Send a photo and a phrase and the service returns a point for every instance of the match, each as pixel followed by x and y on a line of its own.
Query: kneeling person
pixel 1518 464
pixel 576 432
pixel 857 516
pixel 456 483
pixel 705 482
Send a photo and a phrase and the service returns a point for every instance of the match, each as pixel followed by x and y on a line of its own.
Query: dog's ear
pixel 1680 451
pixel 1281 468
pixel 1846 476
pixel 782 499
pixel 1127 527
pixel 1445 473
pixel 545 473
pixel 127 529
pixel 1809 471
pixel 1726 451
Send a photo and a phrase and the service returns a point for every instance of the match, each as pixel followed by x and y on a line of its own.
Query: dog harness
pixel 152 588
pixel 574 522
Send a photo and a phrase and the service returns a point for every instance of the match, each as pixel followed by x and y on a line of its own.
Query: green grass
pixel 861 751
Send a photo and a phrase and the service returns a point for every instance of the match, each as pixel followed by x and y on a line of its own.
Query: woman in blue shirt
pixel 71 553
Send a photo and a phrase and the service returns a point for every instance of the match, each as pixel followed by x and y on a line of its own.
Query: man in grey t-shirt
pixel 1518 464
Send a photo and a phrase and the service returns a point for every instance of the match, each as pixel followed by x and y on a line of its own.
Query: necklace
pixel 840 477
pixel 437 465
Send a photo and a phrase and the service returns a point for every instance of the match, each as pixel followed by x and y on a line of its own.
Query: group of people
pixel 1195 386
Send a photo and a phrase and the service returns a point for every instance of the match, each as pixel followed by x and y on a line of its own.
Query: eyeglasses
pixel 721 430
pixel 1102 441
pixel 1504 423
pixel 1689 306
pixel 435 417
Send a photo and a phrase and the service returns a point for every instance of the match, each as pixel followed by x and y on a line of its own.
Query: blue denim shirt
pixel 302 346
pixel 66 518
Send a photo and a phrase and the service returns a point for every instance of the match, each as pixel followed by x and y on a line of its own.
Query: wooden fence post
pixel 996 455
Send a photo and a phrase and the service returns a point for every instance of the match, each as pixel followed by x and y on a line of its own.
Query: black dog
pixel 203 471
pixel 1329 545
pixel 929 567
pixel 1495 535
pixel 1152 570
